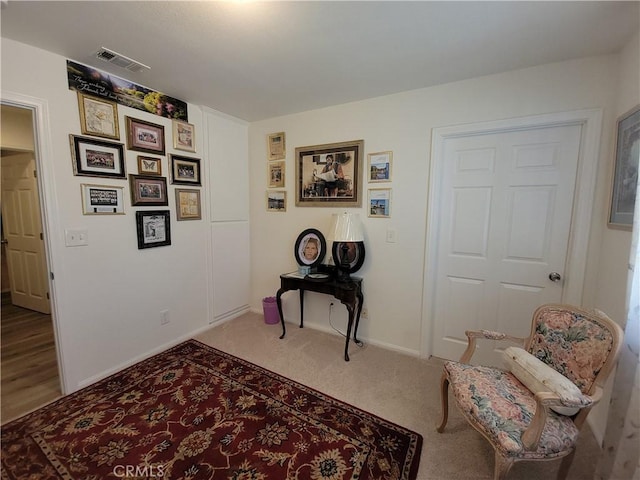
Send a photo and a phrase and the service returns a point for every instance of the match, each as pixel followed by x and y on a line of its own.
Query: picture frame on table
pixel 276 201
pixel 148 191
pixel 188 204
pixel 184 136
pixel 153 228
pixel 625 176
pixel 149 166
pixel 102 199
pixel 276 146
pixel 185 170
pixel 98 117
pixel 143 136
pixel 380 202
pixel 276 177
pixel 92 157
pixel 310 248
pixel 329 175
pixel 380 166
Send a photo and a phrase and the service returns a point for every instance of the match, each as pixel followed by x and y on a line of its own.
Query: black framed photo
pixel 625 177
pixel 329 175
pixel 353 254
pixel 310 248
pixel 148 191
pixel 145 136
pixel 154 229
pixel 97 158
pixel 185 170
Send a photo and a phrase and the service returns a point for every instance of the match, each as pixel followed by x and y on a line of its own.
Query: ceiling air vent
pixel 121 60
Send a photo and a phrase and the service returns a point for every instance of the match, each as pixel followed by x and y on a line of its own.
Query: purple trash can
pixel 270 310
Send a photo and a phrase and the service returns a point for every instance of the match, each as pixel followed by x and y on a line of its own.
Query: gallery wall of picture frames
pixel 101 152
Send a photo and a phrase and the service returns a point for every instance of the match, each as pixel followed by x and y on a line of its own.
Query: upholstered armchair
pixel 534 408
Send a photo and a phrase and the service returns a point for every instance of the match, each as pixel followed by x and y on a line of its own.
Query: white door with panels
pixel 503 227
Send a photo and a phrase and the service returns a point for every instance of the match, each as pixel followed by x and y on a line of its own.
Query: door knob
pixel 555 277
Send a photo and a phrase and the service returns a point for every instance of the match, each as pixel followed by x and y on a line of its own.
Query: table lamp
pixel 347 229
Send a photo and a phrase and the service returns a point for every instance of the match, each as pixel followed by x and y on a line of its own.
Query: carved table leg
pixel 279 303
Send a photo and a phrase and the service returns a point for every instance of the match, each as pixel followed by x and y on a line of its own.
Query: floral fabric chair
pixel 518 412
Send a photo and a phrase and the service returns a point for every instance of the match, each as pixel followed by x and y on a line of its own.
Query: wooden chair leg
pixel 566 465
pixel 502 466
pixel 444 398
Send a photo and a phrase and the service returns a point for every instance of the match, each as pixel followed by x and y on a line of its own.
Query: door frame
pixel 43 153
pixel 591 122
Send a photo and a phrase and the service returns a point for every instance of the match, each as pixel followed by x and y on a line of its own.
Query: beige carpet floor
pixel 400 388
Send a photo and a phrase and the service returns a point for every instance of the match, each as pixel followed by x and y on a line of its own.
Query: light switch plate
pixel 76 237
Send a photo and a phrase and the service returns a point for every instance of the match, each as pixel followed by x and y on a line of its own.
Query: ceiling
pixel 258 60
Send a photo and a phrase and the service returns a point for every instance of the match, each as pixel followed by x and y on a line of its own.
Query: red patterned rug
pixel 194 412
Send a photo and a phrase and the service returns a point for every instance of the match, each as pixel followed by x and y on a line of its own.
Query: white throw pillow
pixel 537 376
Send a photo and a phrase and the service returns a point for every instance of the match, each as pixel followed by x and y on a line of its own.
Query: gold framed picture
pixel 98 117
pixel 149 165
pixel 276 146
pixel 276 201
pixel 184 136
pixel 188 204
pixel 276 174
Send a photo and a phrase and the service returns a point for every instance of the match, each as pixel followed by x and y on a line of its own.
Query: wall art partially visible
pixel 153 228
pixel 98 117
pixel 625 177
pixel 97 158
pixel 329 175
pixel 102 199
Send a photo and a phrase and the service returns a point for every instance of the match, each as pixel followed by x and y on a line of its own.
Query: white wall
pixel 402 123
pixel 109 294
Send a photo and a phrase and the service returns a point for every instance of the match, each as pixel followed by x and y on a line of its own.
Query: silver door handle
pixel 555 277
pixel 4 241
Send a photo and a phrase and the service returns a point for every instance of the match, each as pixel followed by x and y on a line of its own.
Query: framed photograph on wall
pixel 329 175
pixel 148 191
pixel 276 146
pixel 188 204
pixel 149 165
pixel 625 176
pixel 276 174
pixel 145 136
pixel 379 202
pixel 153 228
pixel 380 166
pixel 184 136
pixel 97 158
pixel 98 117
pixel 185 170
pixel 276 201
pixel 102 199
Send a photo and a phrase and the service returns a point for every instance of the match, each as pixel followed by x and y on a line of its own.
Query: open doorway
pixel 29 360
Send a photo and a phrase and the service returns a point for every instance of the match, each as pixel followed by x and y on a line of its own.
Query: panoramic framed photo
pixel 184 136
pixel 276 174
pixel 380 166
pixel 145 136
pixel 153 228
pixel 149 165
pixel 97 158
pixel 188 204
pixel 625 176
pixel 102 199
pixel 185 170
pixel 379 202
pixel 148 191
pixel 276 146
pixel 329 175
pixel 276 201
pixel 98 117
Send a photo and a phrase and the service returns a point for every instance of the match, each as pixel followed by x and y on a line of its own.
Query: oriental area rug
pixel 194 412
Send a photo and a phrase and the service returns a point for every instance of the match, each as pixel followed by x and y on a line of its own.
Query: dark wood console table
pixel 349 293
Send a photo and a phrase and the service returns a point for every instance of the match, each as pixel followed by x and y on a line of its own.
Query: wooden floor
pixel 28 363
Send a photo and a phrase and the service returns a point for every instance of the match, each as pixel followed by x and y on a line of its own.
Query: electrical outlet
pixel 164 317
